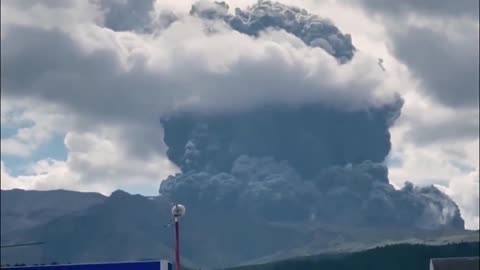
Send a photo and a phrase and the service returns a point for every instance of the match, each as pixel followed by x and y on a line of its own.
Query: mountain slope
pixel 22 209
pixel 123 227
pixel 355 240
pixel 402 256
pixel 131 227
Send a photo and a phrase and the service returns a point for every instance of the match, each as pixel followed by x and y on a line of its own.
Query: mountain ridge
pixel 126 226
pixel 22 209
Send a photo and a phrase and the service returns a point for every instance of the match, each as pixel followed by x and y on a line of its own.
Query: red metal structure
pixel 177 245
pixel 177 211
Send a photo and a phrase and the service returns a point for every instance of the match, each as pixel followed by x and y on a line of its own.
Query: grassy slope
pixel 400 256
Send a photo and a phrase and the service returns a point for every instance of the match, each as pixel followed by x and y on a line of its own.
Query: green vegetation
pixel 401 257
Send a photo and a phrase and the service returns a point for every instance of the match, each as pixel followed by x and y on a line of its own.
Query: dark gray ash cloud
pixel 310 28
pixel 352 195
pixel 299 165
pixel 296 164
pixel 308 137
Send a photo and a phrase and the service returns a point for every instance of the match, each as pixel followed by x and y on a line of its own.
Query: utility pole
pixel 177 211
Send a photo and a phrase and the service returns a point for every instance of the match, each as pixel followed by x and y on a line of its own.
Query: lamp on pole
pixel 177 211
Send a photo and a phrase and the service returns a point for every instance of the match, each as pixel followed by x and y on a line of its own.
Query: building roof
pixel 460 263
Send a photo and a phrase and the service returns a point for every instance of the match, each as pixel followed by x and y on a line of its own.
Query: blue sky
pixel 54 148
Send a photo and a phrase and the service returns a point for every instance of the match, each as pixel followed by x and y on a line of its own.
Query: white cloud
pixel 460 189
pixel 443 55
pixel 34 123
pixel 453 168
pixel 96 161
pixel 153 66
pixel 429 8
pixel 434 148
pixel 436 138
pixel 47 14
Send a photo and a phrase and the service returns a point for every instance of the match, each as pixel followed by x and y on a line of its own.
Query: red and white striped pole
pixel 177 212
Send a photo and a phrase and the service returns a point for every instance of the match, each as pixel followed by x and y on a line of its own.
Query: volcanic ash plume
pixel 295 164
pixel 302 163
pixel 311 29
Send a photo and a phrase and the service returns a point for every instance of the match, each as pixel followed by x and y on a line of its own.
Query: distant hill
pixel 21 209
pixel 123 227
pixel 401 257
pixel 132 227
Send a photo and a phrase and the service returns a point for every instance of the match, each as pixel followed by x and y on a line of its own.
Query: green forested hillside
pixel 401 257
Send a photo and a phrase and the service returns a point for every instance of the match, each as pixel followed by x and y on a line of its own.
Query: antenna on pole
pixel 177 211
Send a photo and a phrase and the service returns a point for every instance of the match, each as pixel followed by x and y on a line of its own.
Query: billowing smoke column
pixel 309 138
pixel 313 30
pixel 308 163
pixel 296 165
